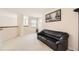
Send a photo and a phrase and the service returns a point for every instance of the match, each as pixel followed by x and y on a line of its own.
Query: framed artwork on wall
pixel 53 16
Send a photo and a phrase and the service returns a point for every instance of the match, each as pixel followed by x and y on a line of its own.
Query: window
pixel 25 21
pixel 33 22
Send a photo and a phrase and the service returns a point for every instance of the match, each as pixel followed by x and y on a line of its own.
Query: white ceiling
pixel 38 12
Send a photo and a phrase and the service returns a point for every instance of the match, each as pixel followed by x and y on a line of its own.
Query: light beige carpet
pixel 25 43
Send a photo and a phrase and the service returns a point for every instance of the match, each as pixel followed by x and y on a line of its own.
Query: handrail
pixel 1 27
pixel 8 26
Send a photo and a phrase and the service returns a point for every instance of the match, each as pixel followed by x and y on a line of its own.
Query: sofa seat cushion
pixel 48 38
pixel 52 34
pixel 53 37
pixel 42 37
pixel 49 41
pixel 53 40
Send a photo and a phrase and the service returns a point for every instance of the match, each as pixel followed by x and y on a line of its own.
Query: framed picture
pixel 53 16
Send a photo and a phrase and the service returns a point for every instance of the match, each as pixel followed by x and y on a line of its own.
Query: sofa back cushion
pixel 53 34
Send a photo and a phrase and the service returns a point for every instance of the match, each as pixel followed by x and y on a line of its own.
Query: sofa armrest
pixel 60 42
pixel 62 45
pixel 38 33
pixel 63 39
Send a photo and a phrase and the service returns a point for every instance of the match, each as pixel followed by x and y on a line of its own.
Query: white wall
pixel 40 24
pixel 68 23
pixel 8 19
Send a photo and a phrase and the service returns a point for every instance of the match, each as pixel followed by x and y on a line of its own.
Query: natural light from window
pixel 33 22
pixel 26 21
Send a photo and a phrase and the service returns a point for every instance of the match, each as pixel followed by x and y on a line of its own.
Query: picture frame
pixel 53 16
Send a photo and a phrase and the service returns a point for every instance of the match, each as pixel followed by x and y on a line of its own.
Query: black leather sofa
pixel 56 40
